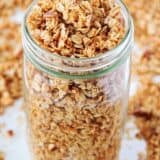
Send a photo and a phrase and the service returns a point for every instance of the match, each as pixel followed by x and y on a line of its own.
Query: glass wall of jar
pixel 76 108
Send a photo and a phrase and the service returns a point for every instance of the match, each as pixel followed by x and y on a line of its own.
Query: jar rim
pixel 110 57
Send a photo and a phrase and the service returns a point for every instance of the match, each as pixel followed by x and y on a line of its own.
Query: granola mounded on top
pixel 10 63
pixel 76 28
pixel 80 119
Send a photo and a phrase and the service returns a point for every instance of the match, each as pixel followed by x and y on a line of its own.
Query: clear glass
pixel 76 108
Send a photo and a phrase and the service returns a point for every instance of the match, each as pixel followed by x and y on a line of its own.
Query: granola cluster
pixel 146 15
pixel 73 119
pixel 146 107
pixel 10 52
pixel 10 63
pixel 8 7
pixel 76 28
pixel 149 62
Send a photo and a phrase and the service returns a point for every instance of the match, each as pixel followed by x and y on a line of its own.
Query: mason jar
pixel 76 107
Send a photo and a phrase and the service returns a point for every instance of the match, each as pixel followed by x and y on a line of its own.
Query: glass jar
pixel 76 108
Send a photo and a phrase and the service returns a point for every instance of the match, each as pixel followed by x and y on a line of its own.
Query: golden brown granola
pixel 146 15
pixel 149 63
pixel 146 100
pixel 76 28
pixel 10 63
pixel 73 119
pixel 7 7
pixel 151 132
pixel 145 106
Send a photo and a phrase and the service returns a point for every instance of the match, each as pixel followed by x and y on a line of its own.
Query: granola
pixel 76 28
pixel 10 63
pixel 151 132
pixel 145 106
pixel 146 15
pixel 73 119
pixel 151 106
pixel 8 7
pixel 149 62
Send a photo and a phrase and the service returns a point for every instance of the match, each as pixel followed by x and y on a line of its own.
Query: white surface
pixel 15 148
